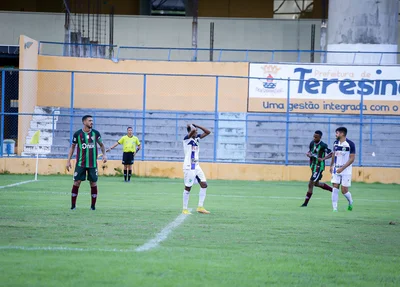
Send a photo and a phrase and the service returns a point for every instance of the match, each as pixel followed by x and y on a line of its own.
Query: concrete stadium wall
pixel 170 31
pixel 146 31
pixel 212 170
pixel 28 87
pixel 126 91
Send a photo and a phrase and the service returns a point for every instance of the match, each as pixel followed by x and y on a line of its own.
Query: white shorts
pixel 344 180
pixel 192 176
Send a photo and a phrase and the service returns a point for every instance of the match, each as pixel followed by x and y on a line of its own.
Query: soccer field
pixel 256 235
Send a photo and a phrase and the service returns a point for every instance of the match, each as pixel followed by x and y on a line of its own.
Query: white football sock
pixel 335 197
pixel 185 199
pixel 202 196
pixel 349 198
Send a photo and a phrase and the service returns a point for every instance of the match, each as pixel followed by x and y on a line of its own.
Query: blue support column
pixel 361 124
pixel 329 131
pixel 370 131
pixel 176 127
pixel 216 124
pixel 71 108
pixel 144 113
pixel 247 127
pixel 134 123
pixel 287 123
pixel 52 125
pixel 3 101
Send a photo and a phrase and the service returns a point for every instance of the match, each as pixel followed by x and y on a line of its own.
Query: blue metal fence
pixel 269 138
pixel 89 50
pixel 117 53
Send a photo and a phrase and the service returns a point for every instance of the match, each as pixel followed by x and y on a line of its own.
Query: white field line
pixel 160 237
pixel 163 234
pixel 18 183
pixel 60 248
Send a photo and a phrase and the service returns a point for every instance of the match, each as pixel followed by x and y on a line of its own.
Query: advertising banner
pixel 324 89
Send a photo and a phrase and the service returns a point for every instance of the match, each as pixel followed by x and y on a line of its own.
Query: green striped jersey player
pixel 86 142
pixel 318 152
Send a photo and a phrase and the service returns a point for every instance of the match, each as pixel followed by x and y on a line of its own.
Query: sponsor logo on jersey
pixel 89 146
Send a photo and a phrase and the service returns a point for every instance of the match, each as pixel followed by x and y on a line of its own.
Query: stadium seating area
pixel 241 137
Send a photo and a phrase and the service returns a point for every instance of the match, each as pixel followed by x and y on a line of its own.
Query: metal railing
pixel 278 138
pixel 117 53
pixel 86 50
pixel 9 49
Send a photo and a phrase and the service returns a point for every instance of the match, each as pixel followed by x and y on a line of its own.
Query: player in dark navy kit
pixel 85 140
pixel 318 153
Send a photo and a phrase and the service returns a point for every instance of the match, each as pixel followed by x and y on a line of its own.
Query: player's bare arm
pixel 138 147
pixel 332 162
pixel 309 153
pixel 348 163
pixel 103 150
pixel 70 154
pixel 112 147
pixel 192 130
pixel 328 156
pixel 205 133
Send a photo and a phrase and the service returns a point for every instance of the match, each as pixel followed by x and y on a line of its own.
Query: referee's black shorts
pixel 127 158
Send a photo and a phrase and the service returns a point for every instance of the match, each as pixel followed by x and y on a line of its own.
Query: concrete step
pixel 41 148
pixel 277 148
pixel 262 140
pixel 175 158
pixel 232 146
pixel 46 110
pixel 148 136
pixel 277 161
pixel 231 139
pixel 34 125
pixel 115 127
pixel 32 154
pixel 387 130
pixel 304 138
pixel 176 144
pixel 150 140
pixel 43 132
pixel 129 119
pixel 175 152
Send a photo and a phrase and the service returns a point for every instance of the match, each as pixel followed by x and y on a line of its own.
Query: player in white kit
pixel 191 168
pixel 344 152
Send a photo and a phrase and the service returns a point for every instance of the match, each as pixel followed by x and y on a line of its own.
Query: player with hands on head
pixel 191 169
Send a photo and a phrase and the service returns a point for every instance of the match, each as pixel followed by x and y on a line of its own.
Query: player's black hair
pixel 318 133
pixel 86 117
pixel 188 129
pixel 342 130
pixel 129 128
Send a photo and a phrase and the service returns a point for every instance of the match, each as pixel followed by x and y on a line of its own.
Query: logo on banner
pixel 272 71
pixel 269 83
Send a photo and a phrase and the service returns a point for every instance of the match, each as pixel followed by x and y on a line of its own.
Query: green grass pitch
pixel 256 235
